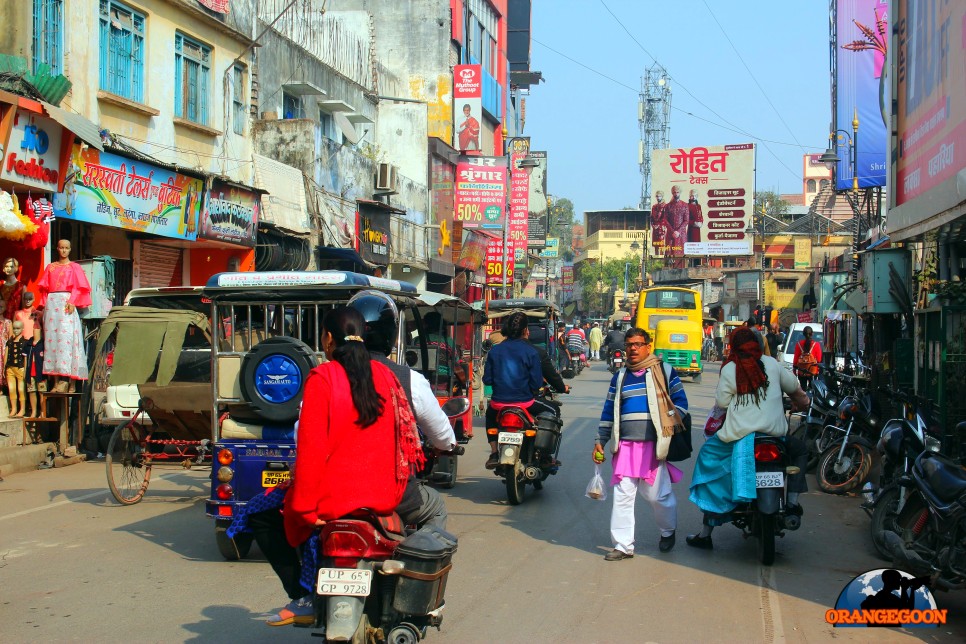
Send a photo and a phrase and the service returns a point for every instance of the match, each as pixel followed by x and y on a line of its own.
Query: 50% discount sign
pixel 474 212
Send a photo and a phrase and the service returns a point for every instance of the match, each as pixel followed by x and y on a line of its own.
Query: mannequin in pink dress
pixel 63 288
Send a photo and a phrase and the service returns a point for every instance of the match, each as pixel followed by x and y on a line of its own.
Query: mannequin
pixel 29 315
pixel 12 289
pixel 14 369
pixel 34 371
pixel 63 288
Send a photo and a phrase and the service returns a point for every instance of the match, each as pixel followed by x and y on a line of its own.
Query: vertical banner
pixel 519 199
pixel 931 116
pixel 443 177
pixel 803 253
pixel 467 107
pixel 703 198
pixel 480 196
pixel 494 264
pixel 537 212
pixel 862 90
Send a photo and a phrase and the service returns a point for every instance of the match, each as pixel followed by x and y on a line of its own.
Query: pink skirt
pixel 638 459
pixel 64 353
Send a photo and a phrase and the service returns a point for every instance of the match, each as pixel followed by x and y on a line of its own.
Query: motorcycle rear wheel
pixel 884 519
pixel 846 476
pixel 766 539
pixel 515 488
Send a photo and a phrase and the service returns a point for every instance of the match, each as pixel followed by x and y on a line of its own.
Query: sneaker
pixel 795 509
pixel 298 611
pixel 618 555
pixel 492 461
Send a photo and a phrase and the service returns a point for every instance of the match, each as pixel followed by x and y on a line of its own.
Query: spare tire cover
pixel 273 376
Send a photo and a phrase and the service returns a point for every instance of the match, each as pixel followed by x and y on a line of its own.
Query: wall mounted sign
pixel 32 155
pixel 230 214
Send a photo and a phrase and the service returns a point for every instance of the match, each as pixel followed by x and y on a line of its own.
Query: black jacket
pixel 614 339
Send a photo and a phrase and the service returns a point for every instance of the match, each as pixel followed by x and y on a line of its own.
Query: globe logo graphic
pixel 870 588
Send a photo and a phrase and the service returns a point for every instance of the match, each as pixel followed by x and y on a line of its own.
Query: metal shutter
pixel 160 266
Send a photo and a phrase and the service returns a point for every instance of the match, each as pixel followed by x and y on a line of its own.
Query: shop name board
pixel 33 152
pixel 110 190
pixel 230 214
pixel 378 240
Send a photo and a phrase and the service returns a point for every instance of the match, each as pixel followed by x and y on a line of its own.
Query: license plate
pixel 273 478
pixel 344 581
pixel 511 438
pixel 769 479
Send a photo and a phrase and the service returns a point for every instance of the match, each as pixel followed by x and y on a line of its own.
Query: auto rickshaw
pixel 678 343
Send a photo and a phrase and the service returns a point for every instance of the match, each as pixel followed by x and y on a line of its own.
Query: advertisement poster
pixel 702 200
pixel 931 86
pixel 803 253
pixel 537 205
pixel 519 199
pixel 567 275
pixel 106 189
pixel 862 86
pixel 32 156
pixel 443 177
pixel 494 264
pixel 473 250
pixel 467 107
pixel 480 196
pixel 230 214
pixel 374 235
pixel 746 284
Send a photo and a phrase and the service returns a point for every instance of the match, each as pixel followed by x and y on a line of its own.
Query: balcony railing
pixel 409 242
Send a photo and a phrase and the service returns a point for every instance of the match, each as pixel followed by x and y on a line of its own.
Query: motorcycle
pixel 528 447
pixel 576 365
pixel 931 527
pixel 847 459
pixel 766 517
pixel 903 440
pixel 615 360
pixel 823 411
pixel 441 467
pixel 376 581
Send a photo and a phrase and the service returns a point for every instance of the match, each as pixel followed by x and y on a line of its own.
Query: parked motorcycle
pixel 528 448
pixel 766 516
pixel 822 412
pixel 847 459
pixel 442 467
pixel 377 580
pixel 903 440
pixel 931 527
pixel 615 360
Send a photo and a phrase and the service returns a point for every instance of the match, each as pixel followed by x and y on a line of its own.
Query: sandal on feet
pixel 297 611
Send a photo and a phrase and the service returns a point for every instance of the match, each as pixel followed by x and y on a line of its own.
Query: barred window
pixel 192 66
pixel 121 50
pixel 48 37
pixel 238 99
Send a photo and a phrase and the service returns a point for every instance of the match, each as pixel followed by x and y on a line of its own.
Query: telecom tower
pixel 654 116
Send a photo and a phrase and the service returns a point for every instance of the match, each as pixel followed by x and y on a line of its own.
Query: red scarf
pixel 750 377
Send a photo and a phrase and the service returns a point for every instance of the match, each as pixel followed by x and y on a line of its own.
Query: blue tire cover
pixel 277 378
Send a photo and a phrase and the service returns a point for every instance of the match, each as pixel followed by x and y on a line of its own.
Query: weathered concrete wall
pixel 17 21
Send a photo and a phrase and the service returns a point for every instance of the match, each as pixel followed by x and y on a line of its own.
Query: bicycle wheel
pixel 128 464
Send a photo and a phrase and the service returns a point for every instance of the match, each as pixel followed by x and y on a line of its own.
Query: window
pixel 811 186
pixel 238 99
pixel 786 285
pixel 192 68
pixel 823 183
pixel 292 106
pixel 729 262
pixel 48 34
pixel 328 127
pixel 122 51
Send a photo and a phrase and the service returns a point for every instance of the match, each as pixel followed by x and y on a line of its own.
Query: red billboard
pixel 480 196
pixel 519 199
pixel 467 107
pixel 494 263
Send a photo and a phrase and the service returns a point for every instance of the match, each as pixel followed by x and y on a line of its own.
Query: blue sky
pixel 588 123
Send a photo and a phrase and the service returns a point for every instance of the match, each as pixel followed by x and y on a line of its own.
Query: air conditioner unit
pixel 387 178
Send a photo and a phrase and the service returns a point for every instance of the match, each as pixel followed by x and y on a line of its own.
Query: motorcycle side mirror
pixel 487 344
pixel 455 407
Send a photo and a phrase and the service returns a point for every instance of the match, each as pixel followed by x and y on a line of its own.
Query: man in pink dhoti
pixel 695 217
pixel 63 288
pixel 677 215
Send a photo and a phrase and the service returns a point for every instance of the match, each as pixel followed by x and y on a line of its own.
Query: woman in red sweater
pixel 347 456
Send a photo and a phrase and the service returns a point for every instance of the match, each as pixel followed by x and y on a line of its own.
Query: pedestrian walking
pixel 644 390
pixel 596 339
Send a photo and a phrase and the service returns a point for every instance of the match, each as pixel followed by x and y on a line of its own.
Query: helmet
pixel 382 319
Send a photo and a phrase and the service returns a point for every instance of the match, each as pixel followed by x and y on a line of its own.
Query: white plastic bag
pixel 596 489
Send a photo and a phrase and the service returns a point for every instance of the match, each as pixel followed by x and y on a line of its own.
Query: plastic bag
pixel 715 421
pixel 596 489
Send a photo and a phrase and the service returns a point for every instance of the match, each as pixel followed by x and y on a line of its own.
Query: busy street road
pixel 87 569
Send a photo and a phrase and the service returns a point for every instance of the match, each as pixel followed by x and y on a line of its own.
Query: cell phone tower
pixel 654 116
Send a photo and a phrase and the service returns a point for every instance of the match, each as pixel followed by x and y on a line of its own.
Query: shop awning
pixel 346 259
pixel 83 129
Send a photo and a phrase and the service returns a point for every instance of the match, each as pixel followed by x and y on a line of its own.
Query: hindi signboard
pixel 702 200
pixel 480 196
pixel 537 211
pixel 495 265
pixel 519 199
pixel 230 214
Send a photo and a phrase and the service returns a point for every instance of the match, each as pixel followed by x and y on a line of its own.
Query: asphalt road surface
pixel 74 566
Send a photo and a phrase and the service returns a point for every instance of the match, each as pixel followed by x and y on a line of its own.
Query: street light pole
pixel 831 159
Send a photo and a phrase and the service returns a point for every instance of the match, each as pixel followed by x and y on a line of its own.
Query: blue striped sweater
pixel 636 423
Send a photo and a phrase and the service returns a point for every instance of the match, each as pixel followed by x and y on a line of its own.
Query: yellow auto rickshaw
pixel 678 343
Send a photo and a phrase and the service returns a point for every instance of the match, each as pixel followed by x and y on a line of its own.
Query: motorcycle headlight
pixel 832 402
pixel 932 444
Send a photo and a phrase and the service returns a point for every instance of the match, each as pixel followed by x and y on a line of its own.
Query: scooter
pixel 375 580
pixel 766 517
pixel 527 447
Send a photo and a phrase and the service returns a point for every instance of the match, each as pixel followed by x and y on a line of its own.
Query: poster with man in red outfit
pixel 467 107
pixel 695 218
pixel 677 213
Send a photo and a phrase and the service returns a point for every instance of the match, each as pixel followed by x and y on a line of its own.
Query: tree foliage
pixel 561 220
pixel 773 204
pixel 597 277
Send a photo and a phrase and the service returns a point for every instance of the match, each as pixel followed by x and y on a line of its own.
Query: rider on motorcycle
pixel 614 340
pixel 420 504
pixel 514 370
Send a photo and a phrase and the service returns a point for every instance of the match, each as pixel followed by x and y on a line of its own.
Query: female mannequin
pixel 12 289
pixel 63 288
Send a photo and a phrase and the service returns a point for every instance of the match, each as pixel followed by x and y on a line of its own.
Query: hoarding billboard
pixel 467 107
pixel 519 149
pixel 702 200
pixel 537 208
pixel 931 112
pixel 862 90
pixel 494 263
pixel 480 194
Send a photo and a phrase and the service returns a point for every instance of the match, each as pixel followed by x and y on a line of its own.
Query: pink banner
pixel 805 317
pixel 467 107
pixel 480 194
